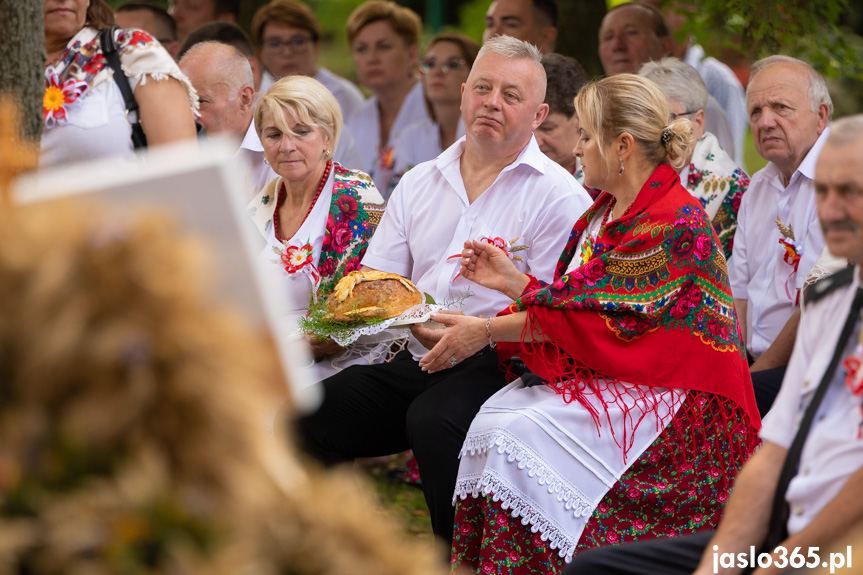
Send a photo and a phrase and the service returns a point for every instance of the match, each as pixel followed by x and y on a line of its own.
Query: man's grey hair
pixel 511 49
pixel 818 93
pixel 514 49
pixel 847 130
pixel 681 82
pixel 234 69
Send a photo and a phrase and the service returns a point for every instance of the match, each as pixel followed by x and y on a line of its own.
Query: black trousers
pixel 766 384
pixel 381 409
pixel 664 556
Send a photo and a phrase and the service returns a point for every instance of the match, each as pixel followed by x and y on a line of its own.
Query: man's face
pixel 784 128
pixel 501 103
pixel 839 198
pixel 222 111
pixel 557 137
pixel 517 18
pixel 627 39
pixel 192 14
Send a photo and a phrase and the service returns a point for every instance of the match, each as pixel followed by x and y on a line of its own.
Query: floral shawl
pixel 82 67
pixel 719 184
pixel 651 307
pixel 355 211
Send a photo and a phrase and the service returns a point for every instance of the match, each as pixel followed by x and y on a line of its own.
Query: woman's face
pixel 381 57
pixel 63 19
pixel 440 86
pixel 286 50
pixel 598 170
pixel 293 156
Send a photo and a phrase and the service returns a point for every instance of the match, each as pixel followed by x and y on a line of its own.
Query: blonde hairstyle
pixel 307 100
pixel 132 427
pixel 404 21
pixel 289 12
pixel 628 103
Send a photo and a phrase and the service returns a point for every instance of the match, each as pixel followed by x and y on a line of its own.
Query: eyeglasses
pixel 296 44
pixel 689 113
pixel 427 66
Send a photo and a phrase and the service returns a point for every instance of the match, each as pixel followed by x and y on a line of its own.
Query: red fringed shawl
pixel 651 307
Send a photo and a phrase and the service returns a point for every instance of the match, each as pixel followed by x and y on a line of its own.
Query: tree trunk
pixel 22 60
pixel 578 32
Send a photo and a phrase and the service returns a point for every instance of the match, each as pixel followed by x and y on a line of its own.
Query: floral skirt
pixel 663 493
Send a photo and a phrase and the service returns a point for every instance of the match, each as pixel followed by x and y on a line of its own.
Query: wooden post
pixel 16 155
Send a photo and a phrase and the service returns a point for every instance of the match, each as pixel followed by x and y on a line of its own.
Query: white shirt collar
pixel 806 167
pixel 530 155
pixel 251 141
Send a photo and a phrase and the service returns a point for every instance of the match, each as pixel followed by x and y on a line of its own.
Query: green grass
pixel 404 503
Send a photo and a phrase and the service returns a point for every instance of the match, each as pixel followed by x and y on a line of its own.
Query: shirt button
pixel 822 416
pixel 806 384
pixel 806 471
pixel 798 512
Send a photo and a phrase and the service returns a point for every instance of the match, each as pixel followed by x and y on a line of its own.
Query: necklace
pixel 283 194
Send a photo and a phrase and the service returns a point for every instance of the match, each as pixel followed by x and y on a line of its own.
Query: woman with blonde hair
pixel 384 39
pixel 637 410
pixel 316 216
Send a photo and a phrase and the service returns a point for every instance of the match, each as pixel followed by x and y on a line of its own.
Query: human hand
pixel 464 336
pixel 489 266
pixel 427 336
pixel 322 347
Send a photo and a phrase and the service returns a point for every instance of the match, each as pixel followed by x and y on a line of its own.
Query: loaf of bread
pixel 363 296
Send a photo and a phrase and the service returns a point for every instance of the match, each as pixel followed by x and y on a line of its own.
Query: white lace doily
pixel 417 314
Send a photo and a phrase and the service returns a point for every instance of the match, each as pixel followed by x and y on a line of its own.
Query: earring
pixel 266 161
pixel 620 172
pixel 327 154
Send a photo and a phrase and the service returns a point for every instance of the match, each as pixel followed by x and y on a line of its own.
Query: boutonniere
pixel 854 378
pixel 508 247
pixel 792 255
pixel 58 95
pixel 793 250
pixel 299 259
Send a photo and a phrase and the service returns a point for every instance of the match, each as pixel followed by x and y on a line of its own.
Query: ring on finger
pixel 452 360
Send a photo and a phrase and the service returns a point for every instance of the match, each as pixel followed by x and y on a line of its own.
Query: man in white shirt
pixel 818 470
pixel 778 236
pixel 493 183
pixel 223 79
pixel 634 33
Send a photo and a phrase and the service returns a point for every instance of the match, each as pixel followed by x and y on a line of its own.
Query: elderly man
pixel 558 133
pixel 225 85
pixel 151 19
pixel 492 183
pixel 633 34
pixel 812 455
pixel 226 33
pixel 533 21
pixel 192 14
pixel 778 236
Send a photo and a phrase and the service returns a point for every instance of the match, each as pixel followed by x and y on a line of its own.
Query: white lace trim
pixel 416 314
pixel 519 504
